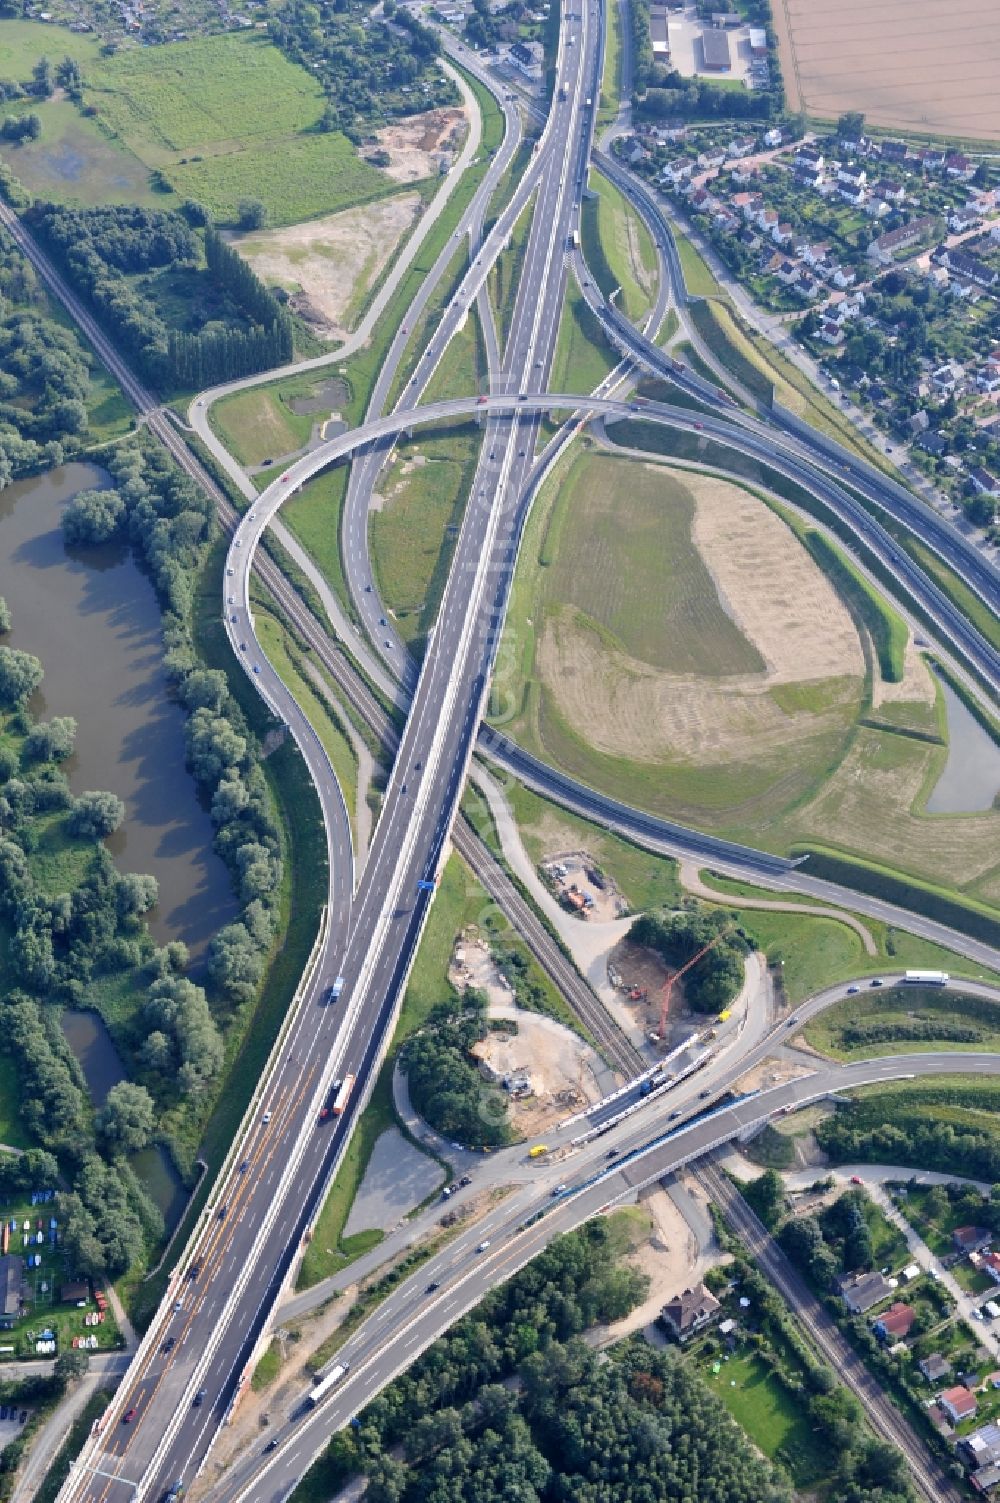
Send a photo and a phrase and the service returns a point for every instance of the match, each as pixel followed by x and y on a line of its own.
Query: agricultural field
pixel 906 64
pixel 701 663
pixel 228 117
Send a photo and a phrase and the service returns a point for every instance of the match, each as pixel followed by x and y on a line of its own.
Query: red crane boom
pixel 669 984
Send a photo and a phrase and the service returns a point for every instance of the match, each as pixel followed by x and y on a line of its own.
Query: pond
pixel 971 777
pixel 328 396
pixel 102 1068
pixel 93 619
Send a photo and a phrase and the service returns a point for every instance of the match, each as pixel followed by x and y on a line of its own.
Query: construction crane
pixel 660 1034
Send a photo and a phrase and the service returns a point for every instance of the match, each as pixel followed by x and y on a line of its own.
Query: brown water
pixel 93 619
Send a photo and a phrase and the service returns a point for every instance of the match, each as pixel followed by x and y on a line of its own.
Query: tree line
pixel 101 248
pixel 44 375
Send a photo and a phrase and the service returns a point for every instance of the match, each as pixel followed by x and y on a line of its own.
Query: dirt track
pixel 906 64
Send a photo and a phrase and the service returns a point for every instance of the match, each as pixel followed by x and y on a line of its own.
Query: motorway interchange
pixel 197 1353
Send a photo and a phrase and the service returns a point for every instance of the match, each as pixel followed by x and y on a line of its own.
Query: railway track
pixel 929 1479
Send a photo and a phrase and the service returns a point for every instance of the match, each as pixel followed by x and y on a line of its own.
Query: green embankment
pixel 888 630
pixel 583 355
pixel 963 914
pixel 618 249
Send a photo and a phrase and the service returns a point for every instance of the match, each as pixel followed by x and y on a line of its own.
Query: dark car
pixel 223 1212
pixel 272 1445
pixel 22 1417
pixel 432 1286
pixel 244 1166
pixel 194 1271
pixel 200 1397
pixel 169 1344
pixel 703 1094
pixel 612 1153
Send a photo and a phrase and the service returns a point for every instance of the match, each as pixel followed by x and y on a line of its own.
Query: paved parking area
pixel 397 1179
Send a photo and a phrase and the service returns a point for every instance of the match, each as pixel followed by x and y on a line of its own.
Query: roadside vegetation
pixel 948 1124
pixel 907 1019
pixel 583 356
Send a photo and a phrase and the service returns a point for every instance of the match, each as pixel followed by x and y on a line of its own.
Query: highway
pixel 162 1423
pixel 413 1315
pixel 174 1400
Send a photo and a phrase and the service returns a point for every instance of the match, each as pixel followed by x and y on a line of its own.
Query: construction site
pixel 654 992
pixel 582 887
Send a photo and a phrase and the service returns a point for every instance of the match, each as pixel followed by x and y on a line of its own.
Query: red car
pixel 856 1179
pixel 480 401
pixel 129 1416
pixel 699 427
pixel 285 479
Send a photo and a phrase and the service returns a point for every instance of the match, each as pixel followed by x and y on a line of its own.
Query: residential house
pixel 919 423
pixel 816 256
pixel 843 276
pixel 783 235
pixel 852 176
pixel 877 208
pixel 947 377
pixel 676 172
pixel 957 164
pixel 863 1290
pixel 985 1479
pixel 894 151
pixel 890 193
pixel 808 286
pixel 982 1447
pixel 772 138
pixel 743 146
pixel 960 220
pixel 852 193
pixel 832 333
pixel 810 157
pixel 725 220
pixel 963 265
pixel 969 1239
pixel 935 1367
pixel 788 273
pixel 957 1403
pixel 689 1311
pixel 887 246
pixel 527 58
pixel 745 172
pixel 895 1322
pixel 932 159
pixel 935 444
pixel 984 484
pixel 712 159
pixel 749 240
pixel 992 1379
pixel 769 220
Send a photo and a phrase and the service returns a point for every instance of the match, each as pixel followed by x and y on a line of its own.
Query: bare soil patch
pixel 423 145
pixel 783 604
pixel 915 686
pixel 550 1071
pixel 907 64
pixel 328 265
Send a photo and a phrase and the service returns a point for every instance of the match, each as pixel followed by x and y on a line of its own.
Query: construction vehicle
pixel 537 1151
pixel 660 1035
pixel 725 1015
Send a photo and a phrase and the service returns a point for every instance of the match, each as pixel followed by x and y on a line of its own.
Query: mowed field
pixel 919 65
pixel 675 644
pixel 229 117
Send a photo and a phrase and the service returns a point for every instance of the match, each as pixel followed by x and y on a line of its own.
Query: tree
pixel 93 517
pixel 5 618
pixel 251 214
pixel 850 125
pixel 95 815
pixel 125 1122
pixel 137 894
pixel 20 676
pixel 51 740
pixel 42 78
pixel 766 1194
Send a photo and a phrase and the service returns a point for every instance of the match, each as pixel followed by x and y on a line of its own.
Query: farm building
pixel 758 41
pixel 715 51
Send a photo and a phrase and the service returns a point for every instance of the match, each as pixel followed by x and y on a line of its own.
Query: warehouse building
pixel 715 51
pixel 659 33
